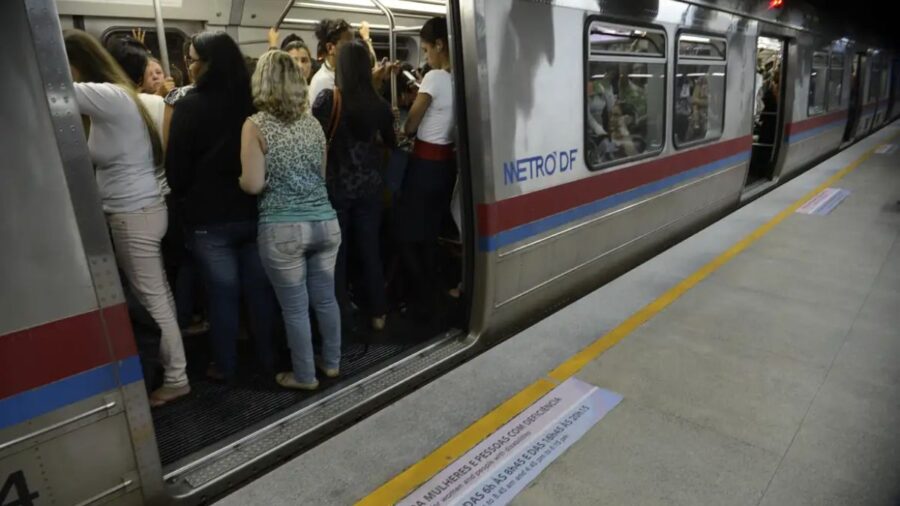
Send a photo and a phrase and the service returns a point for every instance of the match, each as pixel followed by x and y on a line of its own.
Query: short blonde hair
pixel 279 87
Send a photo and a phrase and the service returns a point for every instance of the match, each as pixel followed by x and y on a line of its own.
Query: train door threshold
pixel 302 424
pixel 757 189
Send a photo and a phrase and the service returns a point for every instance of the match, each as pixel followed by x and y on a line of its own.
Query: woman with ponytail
pixel 126 149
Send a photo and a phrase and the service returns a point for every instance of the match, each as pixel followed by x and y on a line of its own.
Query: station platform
pixel 758 362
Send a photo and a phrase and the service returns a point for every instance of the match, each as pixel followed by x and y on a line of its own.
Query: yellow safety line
pixel 405 482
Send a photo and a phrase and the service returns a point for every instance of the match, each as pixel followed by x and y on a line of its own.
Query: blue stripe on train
pixel 78 387
pixel 812 132
pixel 536 227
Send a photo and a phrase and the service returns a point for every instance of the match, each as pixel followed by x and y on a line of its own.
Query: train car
pixel 590 136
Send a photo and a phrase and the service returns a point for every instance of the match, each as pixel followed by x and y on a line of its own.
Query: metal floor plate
pixel 215 411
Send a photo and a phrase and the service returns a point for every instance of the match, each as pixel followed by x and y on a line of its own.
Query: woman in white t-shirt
pixel 126 148
pixel 430 176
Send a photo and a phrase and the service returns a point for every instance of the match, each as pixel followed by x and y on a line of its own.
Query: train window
pixel 625 93
pixel 835 82
pixel 874 79
pixel 699 101
pixel 818 79
pixel 175 40
pixel 698 47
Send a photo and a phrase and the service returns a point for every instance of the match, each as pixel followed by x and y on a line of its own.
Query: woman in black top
pixel 203 164
pixel 354 173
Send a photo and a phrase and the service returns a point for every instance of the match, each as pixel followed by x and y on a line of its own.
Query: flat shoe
pixel 164 395
pixel 287 380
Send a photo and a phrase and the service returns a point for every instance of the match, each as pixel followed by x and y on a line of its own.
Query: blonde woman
pixel 126 149
pixel 283 159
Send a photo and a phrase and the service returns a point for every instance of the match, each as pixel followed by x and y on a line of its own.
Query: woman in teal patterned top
pixel 283 161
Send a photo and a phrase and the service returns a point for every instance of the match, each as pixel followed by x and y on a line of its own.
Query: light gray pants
pixel 137 237
pixel 299 258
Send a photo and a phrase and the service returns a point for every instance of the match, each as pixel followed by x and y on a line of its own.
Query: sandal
pixel 164 395
pixel 287 380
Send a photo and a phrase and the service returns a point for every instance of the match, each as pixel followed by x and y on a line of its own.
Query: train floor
pixel 757 363
pixel 217 411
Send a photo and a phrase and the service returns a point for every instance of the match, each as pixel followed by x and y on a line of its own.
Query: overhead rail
pixel 387 8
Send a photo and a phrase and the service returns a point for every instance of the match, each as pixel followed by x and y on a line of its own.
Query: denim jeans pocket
pixel 283 238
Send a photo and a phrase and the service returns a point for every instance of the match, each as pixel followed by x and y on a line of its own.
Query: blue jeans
pixel 229 262
pixel 300 258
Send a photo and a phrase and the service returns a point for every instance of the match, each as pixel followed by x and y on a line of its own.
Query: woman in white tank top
pixel 431 173
pixel 126 149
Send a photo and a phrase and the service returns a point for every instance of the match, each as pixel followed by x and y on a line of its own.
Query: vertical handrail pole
pixel 392 47
pixel 161 37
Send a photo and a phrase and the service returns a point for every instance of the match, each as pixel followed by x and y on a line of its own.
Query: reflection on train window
pixel 881 80
pixel 818 79
pixel 624 94
pixel 699 92
pixel 836 82
pixel 874 79
pixel 701 47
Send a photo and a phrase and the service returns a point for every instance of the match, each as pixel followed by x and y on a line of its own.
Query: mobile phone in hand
pixel 412 78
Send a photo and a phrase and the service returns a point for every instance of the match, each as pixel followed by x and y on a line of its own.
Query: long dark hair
pixel 97 66
pixel 224 69
pixel 132 57
pixel 353 76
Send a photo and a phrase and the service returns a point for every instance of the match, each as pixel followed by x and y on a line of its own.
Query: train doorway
pixel 768 117
pixel 855 106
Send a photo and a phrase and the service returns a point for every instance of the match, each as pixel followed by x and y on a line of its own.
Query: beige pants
pixel 137 236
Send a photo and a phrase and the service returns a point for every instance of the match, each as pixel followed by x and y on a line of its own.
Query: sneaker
pixel 287 380
pixel 166 394
pixel 195 329
pixel 378 323
pixel 329 372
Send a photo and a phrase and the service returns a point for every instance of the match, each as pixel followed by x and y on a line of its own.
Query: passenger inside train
pixel 316 266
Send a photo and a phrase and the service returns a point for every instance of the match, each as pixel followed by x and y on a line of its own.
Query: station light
pixel 776 4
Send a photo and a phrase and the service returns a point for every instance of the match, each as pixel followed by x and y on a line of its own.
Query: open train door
pixel 768 117
pixel 855 98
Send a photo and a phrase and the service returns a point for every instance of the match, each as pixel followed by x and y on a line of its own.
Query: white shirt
pixel 323 80
pixel 120 148
pixel 437 124
pixel 156 106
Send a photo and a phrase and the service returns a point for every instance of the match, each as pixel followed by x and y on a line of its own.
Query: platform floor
pixel 774 380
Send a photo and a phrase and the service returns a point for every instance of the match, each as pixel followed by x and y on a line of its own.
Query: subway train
pixel 591 135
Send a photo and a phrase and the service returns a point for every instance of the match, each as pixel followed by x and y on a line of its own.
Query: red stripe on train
pixel 509 213
pixel 809 124
pixel 34 357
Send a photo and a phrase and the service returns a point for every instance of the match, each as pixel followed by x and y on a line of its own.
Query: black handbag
pixel 395 172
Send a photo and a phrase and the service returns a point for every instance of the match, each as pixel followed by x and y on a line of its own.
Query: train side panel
pixel 74 421
pixel 809 135
pixel 545 237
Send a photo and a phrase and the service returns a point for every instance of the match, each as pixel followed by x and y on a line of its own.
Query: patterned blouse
pixel 295 188
pixel 357 153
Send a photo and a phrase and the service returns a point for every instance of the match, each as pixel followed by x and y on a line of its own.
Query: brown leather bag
pixel 335 115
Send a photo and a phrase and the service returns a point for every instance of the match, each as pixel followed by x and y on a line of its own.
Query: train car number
pixel 15 491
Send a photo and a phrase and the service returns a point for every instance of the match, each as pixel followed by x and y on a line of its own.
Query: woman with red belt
pixel 429 178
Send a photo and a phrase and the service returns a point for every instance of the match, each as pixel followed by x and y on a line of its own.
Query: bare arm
pixel 416 113
pixel 167 124
pixel 253 159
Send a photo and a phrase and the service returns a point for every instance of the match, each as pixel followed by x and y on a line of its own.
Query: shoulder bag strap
pixel 335 114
